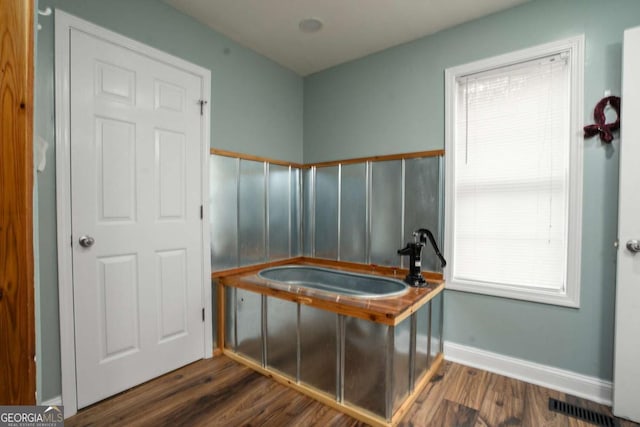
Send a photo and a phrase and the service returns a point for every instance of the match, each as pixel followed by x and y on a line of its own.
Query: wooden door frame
pixel 64 23
pixel 18 376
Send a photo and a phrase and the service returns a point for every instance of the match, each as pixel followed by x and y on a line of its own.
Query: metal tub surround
pixel 336 282
pixel 368 369
pixel 361 210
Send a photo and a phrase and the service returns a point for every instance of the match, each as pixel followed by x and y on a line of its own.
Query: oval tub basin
pixel 337 282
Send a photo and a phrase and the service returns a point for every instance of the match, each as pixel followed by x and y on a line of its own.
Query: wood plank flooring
pixel 221 392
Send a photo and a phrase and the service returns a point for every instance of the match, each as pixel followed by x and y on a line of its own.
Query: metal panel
pixel 401 362
pixel 326 213
pixel 422 204
pixel 279 211
pixel 308 210
pixel 365 366
pixel 386 212
pixel 251 196
pixel 441 220
pixel 412 352
pixel 249 324
pixel 403 260
pixel 437 324
pixel 368 213
pixel 230 318
pixel 296 213
pixel 223 212
pixel 389 350
pixel 340 356
pixel 282 343
pixel 214 317
pixel 263 320
pixel 318 348
pixel 422 341
pixel 353 213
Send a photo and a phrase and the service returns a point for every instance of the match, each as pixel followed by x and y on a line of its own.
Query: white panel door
pixel 626 394
pixel 135 195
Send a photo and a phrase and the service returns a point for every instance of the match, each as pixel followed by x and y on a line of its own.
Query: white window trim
pixel 570 297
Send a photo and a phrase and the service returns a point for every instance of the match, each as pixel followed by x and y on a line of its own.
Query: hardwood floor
pixel 221 392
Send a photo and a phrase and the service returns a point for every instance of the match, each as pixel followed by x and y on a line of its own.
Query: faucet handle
pixel 424 234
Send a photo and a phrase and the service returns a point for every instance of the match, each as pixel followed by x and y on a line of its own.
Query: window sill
pixel 551 297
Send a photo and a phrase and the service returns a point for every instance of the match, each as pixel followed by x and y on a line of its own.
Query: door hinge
pixel 203 314
pixel 202 103
pixel 201 212
pixel 72 240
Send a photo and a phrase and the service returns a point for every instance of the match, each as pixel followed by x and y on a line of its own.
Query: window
pixel 514 174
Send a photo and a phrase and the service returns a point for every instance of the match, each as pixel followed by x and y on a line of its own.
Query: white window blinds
pixel 512 175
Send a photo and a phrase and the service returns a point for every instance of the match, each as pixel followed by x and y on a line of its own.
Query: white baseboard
pixel 56 401
pixel 564 381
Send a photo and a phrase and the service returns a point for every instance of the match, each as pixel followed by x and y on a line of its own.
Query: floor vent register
pixel 583 414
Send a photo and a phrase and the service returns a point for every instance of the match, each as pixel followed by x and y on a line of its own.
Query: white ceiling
pixel 352 28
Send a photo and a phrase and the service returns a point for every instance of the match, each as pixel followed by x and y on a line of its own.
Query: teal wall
pixel 256 108
pixel 393 102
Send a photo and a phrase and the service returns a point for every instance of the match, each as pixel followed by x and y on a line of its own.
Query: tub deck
pixel 389 311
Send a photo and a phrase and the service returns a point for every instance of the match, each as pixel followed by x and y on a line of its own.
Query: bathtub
pixel 354 285
pixel 365 344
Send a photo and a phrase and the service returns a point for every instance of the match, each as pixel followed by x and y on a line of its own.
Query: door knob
pixel 633 245
pixel 86 241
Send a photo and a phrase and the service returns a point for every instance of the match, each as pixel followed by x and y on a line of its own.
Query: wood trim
pixel 243 156
pixel 328 305
pixel 361 312
pixel 388 311
pixel 17 319
pixel 382 158
pixel 221 316
pixel 415 306
pixel 320 396
pixel 430 276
